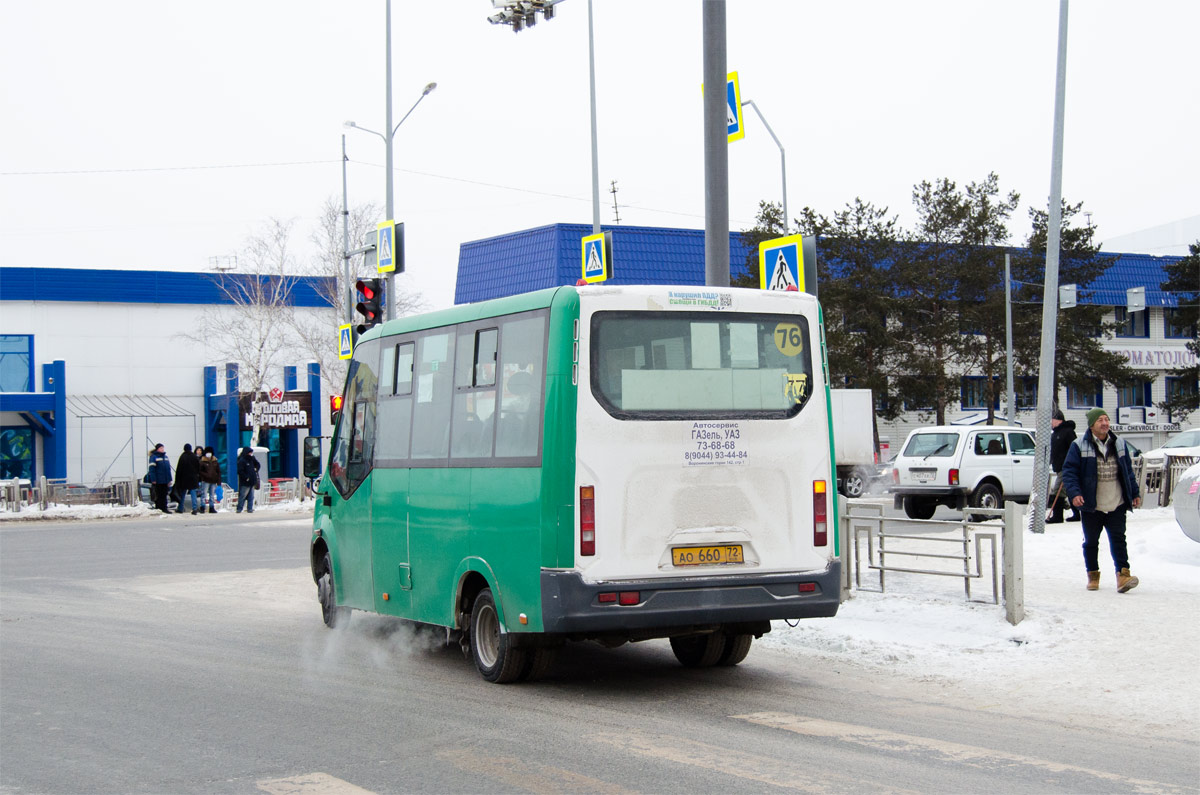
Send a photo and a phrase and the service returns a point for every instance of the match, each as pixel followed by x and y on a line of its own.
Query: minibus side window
pixel 434 387
pixel 394 419
pixel 522 346
pixel 474 394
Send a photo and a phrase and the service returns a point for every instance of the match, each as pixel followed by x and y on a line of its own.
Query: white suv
pixel 957 466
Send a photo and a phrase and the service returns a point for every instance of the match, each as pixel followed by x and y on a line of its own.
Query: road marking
pixel 719 759
pixel 310 784
pixel 525 775
pixel 984 758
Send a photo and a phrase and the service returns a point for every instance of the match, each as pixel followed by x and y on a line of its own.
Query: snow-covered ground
pixel 1080 656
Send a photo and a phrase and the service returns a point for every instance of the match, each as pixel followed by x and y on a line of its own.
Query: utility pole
pixel 616 210
pixel 716 147
pixel 1050 289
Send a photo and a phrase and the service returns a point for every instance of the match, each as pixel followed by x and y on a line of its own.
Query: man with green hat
pixel 1098 475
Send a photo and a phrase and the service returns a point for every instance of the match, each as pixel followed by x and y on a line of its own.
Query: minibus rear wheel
pixel 736 649
pixel 699 651
pixel 333 615
pixel 495 657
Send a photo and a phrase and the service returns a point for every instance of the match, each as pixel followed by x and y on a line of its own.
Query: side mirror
pixel 312 456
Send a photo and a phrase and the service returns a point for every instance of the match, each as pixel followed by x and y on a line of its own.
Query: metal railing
pixel 966 548
pixel 1161 479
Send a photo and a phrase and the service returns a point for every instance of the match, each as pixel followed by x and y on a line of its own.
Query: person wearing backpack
pixel 248 482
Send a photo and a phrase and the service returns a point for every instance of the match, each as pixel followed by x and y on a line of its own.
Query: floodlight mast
pixel 521 14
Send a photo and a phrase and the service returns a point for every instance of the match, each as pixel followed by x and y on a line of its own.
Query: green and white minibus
pixel 595 462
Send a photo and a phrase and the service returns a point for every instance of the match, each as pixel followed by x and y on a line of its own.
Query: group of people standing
pixel 197 475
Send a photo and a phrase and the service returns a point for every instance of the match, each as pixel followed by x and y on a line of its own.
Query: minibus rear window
pixel 674 365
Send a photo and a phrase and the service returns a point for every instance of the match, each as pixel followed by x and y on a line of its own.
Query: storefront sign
pixel 275 409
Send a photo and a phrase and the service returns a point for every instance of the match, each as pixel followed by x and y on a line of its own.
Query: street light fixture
pixel 782 161
pixel 522 14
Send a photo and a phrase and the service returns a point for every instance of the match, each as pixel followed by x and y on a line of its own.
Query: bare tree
pixel 316 333
pixel 257 332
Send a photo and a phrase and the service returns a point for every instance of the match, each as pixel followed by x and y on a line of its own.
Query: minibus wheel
pixel 333 615
pixel 497 660
pixel 736 649
pixel 699 651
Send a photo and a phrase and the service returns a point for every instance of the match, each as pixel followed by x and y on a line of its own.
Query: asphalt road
pixel 187 655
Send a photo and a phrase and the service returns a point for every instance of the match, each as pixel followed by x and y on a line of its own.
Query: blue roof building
pixel 550 256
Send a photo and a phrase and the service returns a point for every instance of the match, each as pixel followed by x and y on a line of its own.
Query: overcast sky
pixel 160 134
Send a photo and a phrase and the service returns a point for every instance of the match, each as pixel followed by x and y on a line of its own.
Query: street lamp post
pixel 782 160
pixel 390 293
pixel 521 14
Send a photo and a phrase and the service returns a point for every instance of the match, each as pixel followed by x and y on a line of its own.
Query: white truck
pixel 853 439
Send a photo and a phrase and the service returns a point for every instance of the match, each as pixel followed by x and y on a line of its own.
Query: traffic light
pixel 371 304
pixel 335 408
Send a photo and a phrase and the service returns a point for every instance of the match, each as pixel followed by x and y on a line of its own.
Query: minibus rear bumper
pixel 572 606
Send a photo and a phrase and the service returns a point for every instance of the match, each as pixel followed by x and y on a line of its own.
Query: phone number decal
pixel 710 443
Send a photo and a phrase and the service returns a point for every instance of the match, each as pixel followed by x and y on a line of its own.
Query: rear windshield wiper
pixel 935 452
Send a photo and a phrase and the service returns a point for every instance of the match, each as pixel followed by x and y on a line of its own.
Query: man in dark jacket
pixel 187 477
pixel 158 474
pixel 247 470
pixel 1060 441
pixel 1098 475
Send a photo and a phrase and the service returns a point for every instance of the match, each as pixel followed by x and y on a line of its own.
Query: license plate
pixel 707 556
pixel 923 475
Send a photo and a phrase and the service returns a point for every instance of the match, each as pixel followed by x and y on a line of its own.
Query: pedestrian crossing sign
pixel 345 341
pixel 781 263
pixel 733 109
pixel 597 257
pixel 385 247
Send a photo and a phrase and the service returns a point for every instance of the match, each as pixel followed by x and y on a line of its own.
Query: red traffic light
pixel 371 305
pixel 335 402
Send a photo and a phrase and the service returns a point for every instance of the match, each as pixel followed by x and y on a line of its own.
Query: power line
pixel 161 168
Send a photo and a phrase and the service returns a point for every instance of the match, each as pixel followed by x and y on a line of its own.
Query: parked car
pixel 1186 443
pixel 958 466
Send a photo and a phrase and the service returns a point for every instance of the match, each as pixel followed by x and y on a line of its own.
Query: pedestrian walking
pixel 187 478
pixel 158 475
pixel 1098 475
pixel 247 472
pixel 1060 441
pixel 210 479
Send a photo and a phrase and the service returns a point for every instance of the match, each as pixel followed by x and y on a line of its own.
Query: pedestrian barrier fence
pixel 949 549
pixel 17 493
pixel 1160 478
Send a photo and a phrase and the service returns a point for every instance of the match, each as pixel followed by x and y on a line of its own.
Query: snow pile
pixel 1077 653
pixel 64 513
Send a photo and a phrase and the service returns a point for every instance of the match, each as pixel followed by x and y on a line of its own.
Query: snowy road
pixel 140 656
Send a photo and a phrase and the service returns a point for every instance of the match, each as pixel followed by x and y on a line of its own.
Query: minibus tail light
pixel 587 520
pixel 820 515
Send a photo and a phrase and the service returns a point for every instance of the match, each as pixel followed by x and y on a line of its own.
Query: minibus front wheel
pixel 333 615
pixel 495 656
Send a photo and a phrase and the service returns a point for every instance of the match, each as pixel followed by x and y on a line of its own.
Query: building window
pixel 1135 394
pixel 16 453
pixel 16 363
pixel 1132 324
pixel 1085 396
pixel 1175 324
pixel 977 393
pixel 1025 390
pixel 1180 387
